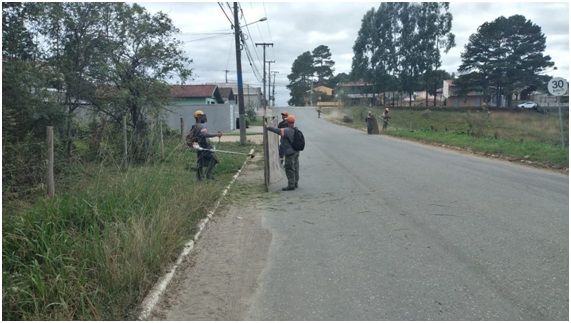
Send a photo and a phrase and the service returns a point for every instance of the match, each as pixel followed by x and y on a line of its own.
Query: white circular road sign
pixel 557 86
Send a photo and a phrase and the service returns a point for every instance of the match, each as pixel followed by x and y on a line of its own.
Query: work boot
pixel 288 188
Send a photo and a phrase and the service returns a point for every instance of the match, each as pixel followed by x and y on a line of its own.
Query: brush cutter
pixel 214 150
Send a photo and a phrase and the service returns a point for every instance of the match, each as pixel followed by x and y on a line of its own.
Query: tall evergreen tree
pixel 301 72
pixel 322 64
pixel 400 42
pixel 506 54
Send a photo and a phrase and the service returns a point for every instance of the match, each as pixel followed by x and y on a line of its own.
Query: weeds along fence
pixel 95 249
pixel 33 166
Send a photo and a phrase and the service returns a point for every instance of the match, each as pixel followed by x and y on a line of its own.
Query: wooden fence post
pixel 50 161
pixel 125 155
pixel 182 133
pixel 162 141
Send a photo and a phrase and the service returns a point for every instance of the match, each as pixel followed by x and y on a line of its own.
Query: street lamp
pixel 263 19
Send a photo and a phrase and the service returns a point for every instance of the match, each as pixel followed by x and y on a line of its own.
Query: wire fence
pixel 31 167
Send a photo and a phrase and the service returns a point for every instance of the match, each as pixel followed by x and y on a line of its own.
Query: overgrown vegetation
pixel 93 252
pixel 512 134
pixel 126 194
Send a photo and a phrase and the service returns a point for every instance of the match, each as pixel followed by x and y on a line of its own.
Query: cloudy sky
pixel 296 27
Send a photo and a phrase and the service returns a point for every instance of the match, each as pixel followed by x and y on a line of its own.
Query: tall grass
pixel 520 135
pixel 94 252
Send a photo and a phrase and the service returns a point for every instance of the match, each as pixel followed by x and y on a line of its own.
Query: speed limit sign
pixel 557 86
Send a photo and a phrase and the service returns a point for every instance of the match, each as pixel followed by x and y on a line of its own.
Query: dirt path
pixel 218 279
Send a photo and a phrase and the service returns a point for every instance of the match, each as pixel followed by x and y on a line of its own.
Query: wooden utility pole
pixel 241 109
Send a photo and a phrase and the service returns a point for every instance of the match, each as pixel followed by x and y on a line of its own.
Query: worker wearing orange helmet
pixel 282 124
pixel 198 136
pixel 291 163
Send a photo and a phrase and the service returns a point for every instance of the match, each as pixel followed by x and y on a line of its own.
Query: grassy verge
pixel 526 136
pixel 94 252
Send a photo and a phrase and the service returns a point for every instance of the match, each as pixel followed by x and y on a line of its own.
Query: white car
pixel 527 105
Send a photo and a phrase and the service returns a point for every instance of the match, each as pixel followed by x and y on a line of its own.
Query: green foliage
pixel 95 252
pixel 307 65
pixel 251 114
pixel 17 41
pixel 114 56
pixel 399 43
pixel 506 54
pixel 322 63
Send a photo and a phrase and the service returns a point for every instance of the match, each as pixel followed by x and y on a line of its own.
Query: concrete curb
pixel 156 292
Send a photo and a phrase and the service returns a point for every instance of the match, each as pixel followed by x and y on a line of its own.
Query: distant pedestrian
pixel 291 155
pixel 319 112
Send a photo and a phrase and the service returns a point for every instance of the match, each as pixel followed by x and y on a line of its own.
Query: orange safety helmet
pixel 290 119
pixel 198 113
pixel 285 114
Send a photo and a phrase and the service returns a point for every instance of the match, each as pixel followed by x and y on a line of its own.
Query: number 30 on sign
pixel 557 86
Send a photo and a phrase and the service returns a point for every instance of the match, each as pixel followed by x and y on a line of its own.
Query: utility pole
pixel 264 45
pixel 241 109
pixel 226 75
pixel 269 80
pixel 274 89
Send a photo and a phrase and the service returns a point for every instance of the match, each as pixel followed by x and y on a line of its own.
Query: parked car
pixel 527 105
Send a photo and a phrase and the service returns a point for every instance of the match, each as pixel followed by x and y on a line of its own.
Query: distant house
pixel 323 93
pixel 228 95
pixel 252 95
pixel 197 94
pixel 208 98
pixel 324 89
pixel 357 93
pixel 457 100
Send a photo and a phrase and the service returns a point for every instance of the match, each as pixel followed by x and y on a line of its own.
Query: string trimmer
pixel 214 150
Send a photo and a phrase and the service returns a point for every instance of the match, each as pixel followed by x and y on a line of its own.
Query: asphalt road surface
pixel 386 229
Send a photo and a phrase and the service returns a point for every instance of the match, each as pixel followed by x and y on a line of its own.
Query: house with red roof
pixel 197 94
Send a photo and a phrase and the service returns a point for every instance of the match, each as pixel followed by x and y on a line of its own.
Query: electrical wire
pixel 221 7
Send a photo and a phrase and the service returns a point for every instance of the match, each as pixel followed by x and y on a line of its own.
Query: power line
pixel 221 7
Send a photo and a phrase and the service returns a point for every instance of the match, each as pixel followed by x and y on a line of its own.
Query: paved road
pixel 385 229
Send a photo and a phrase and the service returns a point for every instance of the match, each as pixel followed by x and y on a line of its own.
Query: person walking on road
pixel 291 155
pixel 198 137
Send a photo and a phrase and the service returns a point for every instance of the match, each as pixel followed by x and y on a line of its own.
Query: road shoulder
pixel 218 279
